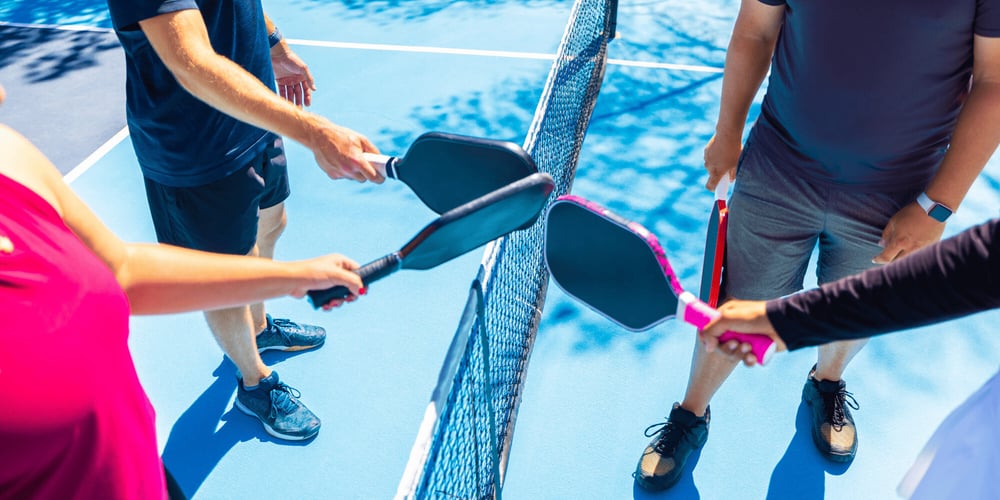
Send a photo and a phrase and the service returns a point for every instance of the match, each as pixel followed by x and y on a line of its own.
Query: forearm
pixel 227 87
pixel 166 279
pixel 181 41
pixel 976 136
pixel 748 59
pixel 956 277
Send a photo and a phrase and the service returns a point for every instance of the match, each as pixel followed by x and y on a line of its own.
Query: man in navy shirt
pixel 205 122
pixel 877 119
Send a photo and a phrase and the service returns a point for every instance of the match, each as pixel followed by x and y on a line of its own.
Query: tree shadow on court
pixel 408 9
pixel 209 429
pixel 81 12
pixel 49 54
pixel 801 472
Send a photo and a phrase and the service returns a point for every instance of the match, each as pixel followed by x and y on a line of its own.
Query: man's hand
pixel 909 230
pixel 295 82
pixel 721 157
pixel 340 151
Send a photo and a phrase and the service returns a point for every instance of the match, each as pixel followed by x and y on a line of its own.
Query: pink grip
pixel 700 314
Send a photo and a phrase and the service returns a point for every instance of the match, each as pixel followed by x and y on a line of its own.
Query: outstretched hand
pixel 329 271
pixel 745 316
pixel 340 152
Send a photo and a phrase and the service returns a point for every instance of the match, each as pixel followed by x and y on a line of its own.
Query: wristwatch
pixel 935 210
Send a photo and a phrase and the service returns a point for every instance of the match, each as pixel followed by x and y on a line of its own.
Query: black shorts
pixel 221 216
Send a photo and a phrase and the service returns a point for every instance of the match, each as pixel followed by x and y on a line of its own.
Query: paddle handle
pixel 370 272
pixel 385 164
pixel 722 188
pixel 700 314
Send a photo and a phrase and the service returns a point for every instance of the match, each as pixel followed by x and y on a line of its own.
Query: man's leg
pixel 277 333
pixel 847 246
pixel 223 217
pixel 774 223
pixel 269 228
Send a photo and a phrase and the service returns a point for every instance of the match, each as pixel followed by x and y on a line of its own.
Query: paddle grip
pixel 369 273
pixel 384 164
pixel 697 313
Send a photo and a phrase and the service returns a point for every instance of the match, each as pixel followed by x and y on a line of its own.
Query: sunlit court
pixel 480 377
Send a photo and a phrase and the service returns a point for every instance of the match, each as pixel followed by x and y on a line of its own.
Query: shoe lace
pixel 283 327
pixel 284 399
pixel 836 404
pixel 670 435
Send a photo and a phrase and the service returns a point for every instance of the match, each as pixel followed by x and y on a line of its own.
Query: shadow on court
pixel 89 12
pixel 684 489
pixel 211 427
pixel 801 472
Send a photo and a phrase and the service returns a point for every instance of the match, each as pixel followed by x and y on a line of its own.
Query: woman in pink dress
pixel 75 421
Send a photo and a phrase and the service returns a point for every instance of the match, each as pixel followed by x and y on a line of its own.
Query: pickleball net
pixel 464 440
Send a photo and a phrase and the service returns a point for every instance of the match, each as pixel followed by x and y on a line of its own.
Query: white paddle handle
pixel 722 188
pixel 379 162
pixel 697 313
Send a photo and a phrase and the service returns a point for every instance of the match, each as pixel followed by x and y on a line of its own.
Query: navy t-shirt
pixel 179 140
pixel 866 93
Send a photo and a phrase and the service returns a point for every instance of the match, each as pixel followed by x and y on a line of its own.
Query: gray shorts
pixel 778 217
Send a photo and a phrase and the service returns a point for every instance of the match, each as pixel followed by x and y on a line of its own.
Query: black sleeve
pixel 955 277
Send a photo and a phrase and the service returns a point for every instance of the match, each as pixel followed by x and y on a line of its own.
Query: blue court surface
pixel 393 70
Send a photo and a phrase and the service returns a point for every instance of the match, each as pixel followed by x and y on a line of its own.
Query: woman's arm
pixel 163 278
pixel 952 278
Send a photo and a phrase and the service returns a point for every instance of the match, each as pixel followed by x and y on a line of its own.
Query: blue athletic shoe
pixel 286 335
pixel 277 406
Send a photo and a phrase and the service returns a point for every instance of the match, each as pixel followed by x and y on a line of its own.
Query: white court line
pixel 89 161
pixel 122 134
pixel 492 53
pixel 422 49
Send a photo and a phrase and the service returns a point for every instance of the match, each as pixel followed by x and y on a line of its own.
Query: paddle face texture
pixel 446 170
pixel 605 263
pixel 473 224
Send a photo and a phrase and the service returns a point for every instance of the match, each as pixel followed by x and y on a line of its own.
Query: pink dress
pixel 74 419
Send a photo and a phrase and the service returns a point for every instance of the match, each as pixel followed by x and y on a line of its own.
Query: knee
pixel 271 228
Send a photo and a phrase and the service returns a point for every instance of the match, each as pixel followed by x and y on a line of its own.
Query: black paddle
pixel 618 268
pixel 448 170
pixel 457 231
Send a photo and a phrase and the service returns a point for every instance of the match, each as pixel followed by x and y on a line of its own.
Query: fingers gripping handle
pixel 699 314
pixel 370 272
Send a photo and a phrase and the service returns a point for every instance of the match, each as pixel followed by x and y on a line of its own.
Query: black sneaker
pixel 286 335
pixel 277 406
pixel 833 429
pixel 663 460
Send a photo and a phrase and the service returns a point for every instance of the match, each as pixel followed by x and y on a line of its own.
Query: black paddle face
pixel 597 259
pixel 446 171
pixel 473 224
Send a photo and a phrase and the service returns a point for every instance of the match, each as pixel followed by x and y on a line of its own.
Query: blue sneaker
pixel 286 335
pixel 277 406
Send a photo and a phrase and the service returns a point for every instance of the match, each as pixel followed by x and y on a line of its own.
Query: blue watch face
pixel 939 213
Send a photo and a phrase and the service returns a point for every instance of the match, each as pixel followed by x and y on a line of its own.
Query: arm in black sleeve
pixel 952 278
